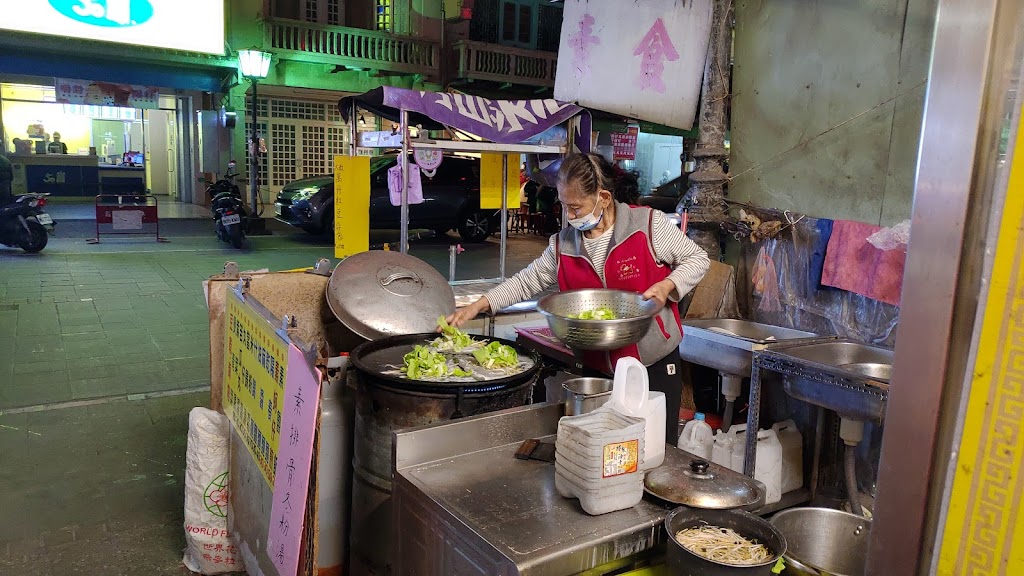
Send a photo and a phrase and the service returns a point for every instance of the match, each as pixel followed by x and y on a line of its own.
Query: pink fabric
pixel 395 185
pixel 853 264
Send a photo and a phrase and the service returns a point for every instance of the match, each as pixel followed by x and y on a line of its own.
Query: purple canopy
pixel 500 121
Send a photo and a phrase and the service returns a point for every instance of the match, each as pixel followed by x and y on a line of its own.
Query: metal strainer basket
pixel 633 317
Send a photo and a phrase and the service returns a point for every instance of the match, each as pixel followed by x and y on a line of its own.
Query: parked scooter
pixel 231 219
pixel 24 223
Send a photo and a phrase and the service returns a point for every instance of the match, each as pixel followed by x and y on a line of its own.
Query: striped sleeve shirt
pixel 672 247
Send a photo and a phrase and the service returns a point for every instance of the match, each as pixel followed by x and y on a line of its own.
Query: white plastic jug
pixel 631 396
pixel 730 449
pixel 698 438
pixel 721 451
pixel 792 455
pixel 768 468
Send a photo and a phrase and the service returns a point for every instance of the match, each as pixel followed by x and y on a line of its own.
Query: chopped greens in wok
pixel 496 355
pixel 424 363
pixel 604 313
pixel 454 340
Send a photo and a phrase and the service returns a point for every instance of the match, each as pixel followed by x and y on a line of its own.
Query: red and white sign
pixel 624 144
pixel 105 94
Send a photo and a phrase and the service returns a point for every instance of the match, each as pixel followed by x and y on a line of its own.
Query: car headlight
pixel 305 193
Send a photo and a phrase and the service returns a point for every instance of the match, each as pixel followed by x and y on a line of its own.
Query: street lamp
pixel 254 64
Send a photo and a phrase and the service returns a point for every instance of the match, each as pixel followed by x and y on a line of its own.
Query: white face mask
pixel 587 221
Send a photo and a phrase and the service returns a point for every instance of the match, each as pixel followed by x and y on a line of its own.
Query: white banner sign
pixel 193 25
pixel 643 60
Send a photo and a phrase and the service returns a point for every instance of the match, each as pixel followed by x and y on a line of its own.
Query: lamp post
pixel 254 64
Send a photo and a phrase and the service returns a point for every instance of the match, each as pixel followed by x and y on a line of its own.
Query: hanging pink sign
pixel 294 456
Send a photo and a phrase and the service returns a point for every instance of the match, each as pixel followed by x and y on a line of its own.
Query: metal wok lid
pixel 373 358
pixel 691 481
pixel 378 293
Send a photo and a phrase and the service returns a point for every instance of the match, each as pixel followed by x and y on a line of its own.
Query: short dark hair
pixel 587 174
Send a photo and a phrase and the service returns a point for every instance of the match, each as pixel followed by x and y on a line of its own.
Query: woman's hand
pixel 660 292
pixel 467 313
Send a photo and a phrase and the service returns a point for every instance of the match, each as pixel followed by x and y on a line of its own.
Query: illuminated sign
pixel 192 25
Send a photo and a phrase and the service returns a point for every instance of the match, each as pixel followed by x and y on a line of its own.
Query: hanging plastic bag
pixel 766 282
pixel 895 238
pixel 209 548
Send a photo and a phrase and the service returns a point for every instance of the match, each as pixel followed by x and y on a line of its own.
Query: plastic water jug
pixel 721 450
pixel 792 455
pixel 730 450
pixel 631 396
pixel 697 438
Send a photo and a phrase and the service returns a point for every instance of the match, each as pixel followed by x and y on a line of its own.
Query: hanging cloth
pixel 395 184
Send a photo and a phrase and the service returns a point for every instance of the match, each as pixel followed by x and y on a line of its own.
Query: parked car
pixel 451 200
pixel 667 196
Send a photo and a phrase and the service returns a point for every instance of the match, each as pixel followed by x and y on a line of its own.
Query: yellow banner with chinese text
pixel 490 181
pixel 351 205
pixel 255 362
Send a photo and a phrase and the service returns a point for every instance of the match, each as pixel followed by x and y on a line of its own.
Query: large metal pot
pixel 386 403
pixel 682 561
pixel 824 541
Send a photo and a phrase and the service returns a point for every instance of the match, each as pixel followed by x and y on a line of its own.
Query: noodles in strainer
pixel 722 545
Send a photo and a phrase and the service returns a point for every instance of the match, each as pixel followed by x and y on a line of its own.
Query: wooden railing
pixel 352 47
pixel 484 61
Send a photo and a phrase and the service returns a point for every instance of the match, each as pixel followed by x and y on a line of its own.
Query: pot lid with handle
pixel 692 481
pixel 381 293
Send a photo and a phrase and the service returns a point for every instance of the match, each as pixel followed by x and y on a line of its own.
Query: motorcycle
pixel 24 223
pixel 231 219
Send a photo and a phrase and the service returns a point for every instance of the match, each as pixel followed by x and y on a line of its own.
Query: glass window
pixel 525 23
pixel 508 22
pixel 383 16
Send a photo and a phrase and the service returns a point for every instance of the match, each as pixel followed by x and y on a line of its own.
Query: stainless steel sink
pixel 853 358
pixel 727 345
pixel 847 377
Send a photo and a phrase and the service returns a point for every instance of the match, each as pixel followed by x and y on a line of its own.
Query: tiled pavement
pixel 103 351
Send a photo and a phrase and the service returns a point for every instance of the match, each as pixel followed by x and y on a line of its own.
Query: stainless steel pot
pixel 682 561
pixel 823 541
pixel 583 395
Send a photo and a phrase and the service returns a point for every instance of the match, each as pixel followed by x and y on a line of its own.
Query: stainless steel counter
pixel 464 505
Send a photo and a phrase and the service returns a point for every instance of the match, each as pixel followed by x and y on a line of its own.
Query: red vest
pixel 631 265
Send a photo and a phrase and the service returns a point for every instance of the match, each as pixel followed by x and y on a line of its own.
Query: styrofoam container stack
pixel 597 460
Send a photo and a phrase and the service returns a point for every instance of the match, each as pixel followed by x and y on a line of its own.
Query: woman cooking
pixel 613 245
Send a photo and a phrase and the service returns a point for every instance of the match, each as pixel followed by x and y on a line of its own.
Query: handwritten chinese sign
pixel 255 361
pixel 287 512
pixel 351 205
pixel 645 49
pixel 655 48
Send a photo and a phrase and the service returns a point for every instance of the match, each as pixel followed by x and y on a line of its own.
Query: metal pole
pixel 353 133
pixel 254 151
pixel 504 214
pixel 404 121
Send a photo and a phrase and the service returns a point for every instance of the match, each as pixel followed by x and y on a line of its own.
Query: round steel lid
pixel 691 481
pixel 378 293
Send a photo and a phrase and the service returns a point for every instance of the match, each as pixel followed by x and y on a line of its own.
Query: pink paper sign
pixel 294 455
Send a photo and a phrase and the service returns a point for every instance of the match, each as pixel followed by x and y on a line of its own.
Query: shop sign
pixel 288 508
pixel 255 365
pixel 84 92
pixel 624 144
pixel 628 57
pixel 191 25
pixel 351 205
pixel 491 166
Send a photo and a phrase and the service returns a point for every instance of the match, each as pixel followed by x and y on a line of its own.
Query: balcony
pixel 496 63
pixel 352 47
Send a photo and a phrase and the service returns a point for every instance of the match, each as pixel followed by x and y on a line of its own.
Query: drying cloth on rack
pixel 853 264
pixel 818 250
pixel 395 184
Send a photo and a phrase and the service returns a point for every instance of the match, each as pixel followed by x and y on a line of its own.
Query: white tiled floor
pixel 76 209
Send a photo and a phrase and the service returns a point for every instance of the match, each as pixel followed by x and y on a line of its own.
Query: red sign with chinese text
pixel 624 144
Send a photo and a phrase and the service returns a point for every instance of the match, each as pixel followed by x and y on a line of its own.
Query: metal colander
pixel 633 317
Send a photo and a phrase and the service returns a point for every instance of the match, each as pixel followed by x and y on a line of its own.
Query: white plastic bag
pixel 209 548
pixel 893 238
